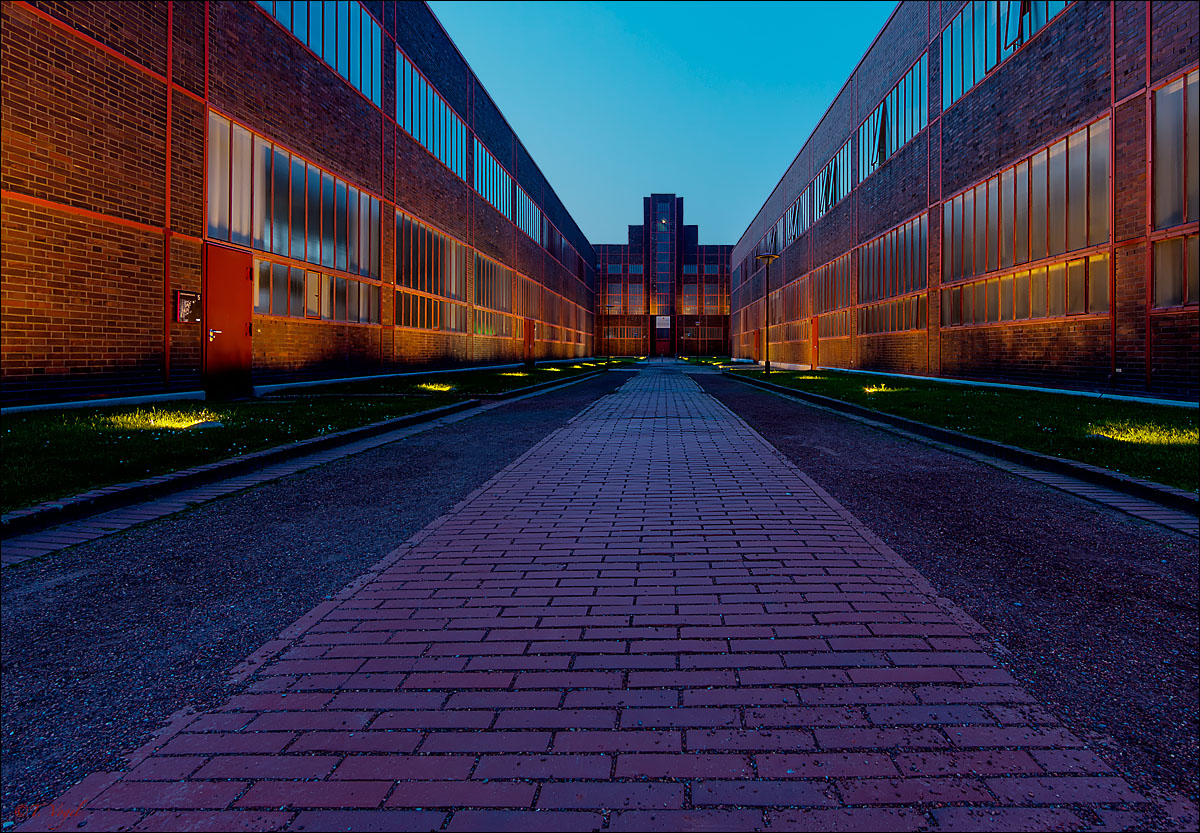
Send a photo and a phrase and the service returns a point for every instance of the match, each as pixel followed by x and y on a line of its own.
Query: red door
pixel 228 302
pixel 528 332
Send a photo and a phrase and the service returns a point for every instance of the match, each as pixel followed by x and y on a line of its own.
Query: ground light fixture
pixel 767 258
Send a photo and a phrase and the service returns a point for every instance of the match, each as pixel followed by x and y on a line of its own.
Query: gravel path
pixel 104 641
pixel 1098 609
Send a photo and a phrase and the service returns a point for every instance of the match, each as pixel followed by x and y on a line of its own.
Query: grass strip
pixel 468 383
pixel 49 454
pixel 1154 442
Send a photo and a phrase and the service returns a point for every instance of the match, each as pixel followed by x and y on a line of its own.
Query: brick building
pixel 197 193
pixel 999 191
pixel 662 293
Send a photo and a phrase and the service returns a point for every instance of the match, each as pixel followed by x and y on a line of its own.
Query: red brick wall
pixel 1063 78
pixel 88 289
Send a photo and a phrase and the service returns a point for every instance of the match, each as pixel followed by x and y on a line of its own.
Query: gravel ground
pixel 1098 609
pixel 104 641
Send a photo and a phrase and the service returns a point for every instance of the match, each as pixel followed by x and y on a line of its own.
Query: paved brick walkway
pixel 650 620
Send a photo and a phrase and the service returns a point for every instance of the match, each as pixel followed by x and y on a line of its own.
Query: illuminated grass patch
pixel 1155 442
pixel 436 387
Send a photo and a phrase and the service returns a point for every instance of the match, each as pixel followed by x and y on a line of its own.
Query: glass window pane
pixel 280 207
pixel 1037 207
pixel 1193 269
pixel 993 211
pixel 351 300
pixel 947 232
pixel 1007 213
pixel 1076 303
pixel 1098 284
pixel 326 297
pixel 299 186
pixel 327 194
pixel 364 235
pixel 1168 273
pixel 315 40
pixel 946 63
pixel 312 295
pixel 340 225
pixel 1077 155
pixel 262 286
pixel 1168 155
pixel 1037 293
pixel 262 194
pixel 980 307
pixel 1021 215
pixel 296 301
pixel 1058 289
pixel 1098 183
pixel 1021 296
pixel 300 20
pixel 1057 211
pixel 283 11
pixel 239 221
pixel 1193 147
pixel 982 241
pixel 279 289
pixel 330 32
pixel 218 177
pixel 993 300
pixel 374 272
pixel 1006 299
pixel 352 232
pixel 313 236
pixel 356 15
pixel 343 52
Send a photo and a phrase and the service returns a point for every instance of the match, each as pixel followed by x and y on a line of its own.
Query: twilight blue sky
pixel 708 100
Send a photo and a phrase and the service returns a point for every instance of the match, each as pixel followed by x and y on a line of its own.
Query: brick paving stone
pixel 651 620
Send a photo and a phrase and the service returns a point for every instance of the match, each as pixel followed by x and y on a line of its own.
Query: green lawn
pixel 54 454
pixel 466 383
pixel 1155 442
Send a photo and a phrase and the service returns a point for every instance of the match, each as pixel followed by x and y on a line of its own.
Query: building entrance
pixel 228 301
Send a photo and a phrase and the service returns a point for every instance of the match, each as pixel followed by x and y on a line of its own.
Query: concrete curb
pixel 52 513
pixel 1145 489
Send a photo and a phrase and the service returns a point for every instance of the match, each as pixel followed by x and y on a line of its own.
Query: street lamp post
pixel 767 258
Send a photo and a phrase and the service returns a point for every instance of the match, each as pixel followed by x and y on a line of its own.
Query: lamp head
pixel 767 257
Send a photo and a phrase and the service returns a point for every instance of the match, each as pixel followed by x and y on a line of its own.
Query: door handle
pixel 212 334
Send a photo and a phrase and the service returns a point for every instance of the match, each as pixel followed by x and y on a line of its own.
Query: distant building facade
pixel 1000 191
pixel 662 293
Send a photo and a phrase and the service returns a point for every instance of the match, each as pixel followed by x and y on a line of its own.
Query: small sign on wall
pixel 662 322
pixel 187 307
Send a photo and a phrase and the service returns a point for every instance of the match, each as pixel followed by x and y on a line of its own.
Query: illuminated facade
pixel 999 191
pixel 210 194
pixel 662 293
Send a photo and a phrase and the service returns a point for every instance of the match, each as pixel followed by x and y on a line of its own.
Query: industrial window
pixel 281 204
pixel 426 116
pixel 614 268
pixel 893 316
pixel 901 115
pixel 285 290
pixel 636 303
pixel 1054 202
pixel 689 268
pixel 492 182
pixel 429 261
pixel 894 263
pixel 636 269
pixel 1076 287
pixel 984 34
pixel 712 269
pixel 342 34
pixel 1176 160
pixel 832 183
pixel 1176 272
pixel 493 285
pixel 529 216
